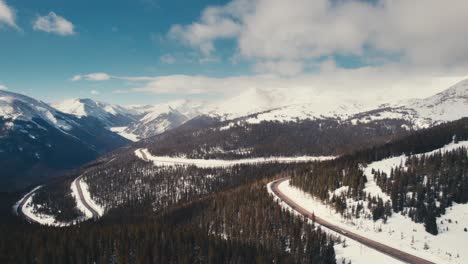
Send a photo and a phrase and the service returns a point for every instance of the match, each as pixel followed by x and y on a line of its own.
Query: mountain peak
pixel 22 107
pixel 111 115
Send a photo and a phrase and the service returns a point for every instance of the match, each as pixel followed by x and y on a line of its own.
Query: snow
pixel 448 105
pixel 72 106
pixel 350 250
pixel 386 165
pixel 144 154
pixel 87 196
pixel 44 219
pixel 163 117
pixel 283 105
pixel 21 107
pixel 79 204
pixel 122 131
pixel 187 108
pixel 29 211
pixel 399 231
pixel 88 107
pixel 15 206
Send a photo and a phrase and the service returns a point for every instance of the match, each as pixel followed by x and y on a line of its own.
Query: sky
pixel 153 51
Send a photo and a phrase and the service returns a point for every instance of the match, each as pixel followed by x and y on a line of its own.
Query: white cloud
pixel 215 23
pixel 98 76
pixel 3 87
pixel 95 92
pixel 7 15
pixel 281 67
pixel 167 59
pixel 53 23
pixel 420 32
pixel 367 84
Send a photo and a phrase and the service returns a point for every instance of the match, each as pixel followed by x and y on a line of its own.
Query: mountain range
pixel 36 138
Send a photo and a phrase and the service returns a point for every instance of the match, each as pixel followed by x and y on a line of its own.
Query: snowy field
pixel 144 154
pixel 121 131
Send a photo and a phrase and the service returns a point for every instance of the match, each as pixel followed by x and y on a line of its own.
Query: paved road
pixel 145 158
pixel 390 251
pixel 227 163
pixel 19 209
pixel 83 200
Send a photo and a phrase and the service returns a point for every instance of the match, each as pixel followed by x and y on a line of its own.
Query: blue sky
pixel 152 51
pixel 121 37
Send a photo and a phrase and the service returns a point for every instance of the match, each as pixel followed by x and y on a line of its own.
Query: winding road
pixel 83 200
pixel 390 251
pixel 19 208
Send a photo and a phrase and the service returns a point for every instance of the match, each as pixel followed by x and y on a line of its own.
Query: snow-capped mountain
pixel 448 105
pixel 163 117
pixel 282 105
pixel 110 115
pixel 19 107
pixel 38 141
pixel 258 105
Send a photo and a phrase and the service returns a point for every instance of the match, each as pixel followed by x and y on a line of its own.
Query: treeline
pixel 56 199
pixel 302 137
pixel 320 179
pixel 125 180
pixel 427 185
pixel 129 180
pixel 249 214
pixel 241 225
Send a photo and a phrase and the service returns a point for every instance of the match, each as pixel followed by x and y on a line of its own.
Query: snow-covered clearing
pixel 449 245
pixel 122 132
pixel 213 163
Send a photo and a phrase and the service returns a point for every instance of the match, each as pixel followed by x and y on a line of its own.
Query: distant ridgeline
pixel 325 136
pixel 422 186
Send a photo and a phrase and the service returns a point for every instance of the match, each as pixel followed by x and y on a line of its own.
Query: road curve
pixel 83 200
pixel 390 251
pixel 19 208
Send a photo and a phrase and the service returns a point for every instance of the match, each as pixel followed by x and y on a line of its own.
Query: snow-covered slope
pixel 283 105
pixel 15 106
pixel 163 117
pixel 37 141
pixel 110 115
pixel 448 105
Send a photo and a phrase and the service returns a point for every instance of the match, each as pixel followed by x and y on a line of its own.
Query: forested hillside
pixel 422 186
pixel 241 225
pixel 238 139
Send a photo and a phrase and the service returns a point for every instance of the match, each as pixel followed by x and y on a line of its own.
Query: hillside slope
pixel 38 141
